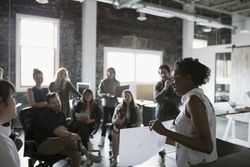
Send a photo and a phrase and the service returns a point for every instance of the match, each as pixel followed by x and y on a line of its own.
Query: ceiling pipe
pixel 201 20
pixel 205 7
pixel 163 11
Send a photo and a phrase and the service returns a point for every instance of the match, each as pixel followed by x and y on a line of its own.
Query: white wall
pixel 241 36
pixel 207 57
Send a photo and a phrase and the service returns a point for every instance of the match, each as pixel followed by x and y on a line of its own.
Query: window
pixel 133 66
pixel 37 46
pixel 199 43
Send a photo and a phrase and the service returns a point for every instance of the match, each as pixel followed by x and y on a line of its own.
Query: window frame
pixel 134 84
pixel 19 17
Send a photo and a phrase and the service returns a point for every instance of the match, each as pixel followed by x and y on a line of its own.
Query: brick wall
pixel 112 26
pixel 153 34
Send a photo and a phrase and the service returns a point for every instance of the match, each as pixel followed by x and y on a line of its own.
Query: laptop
pixel 120 89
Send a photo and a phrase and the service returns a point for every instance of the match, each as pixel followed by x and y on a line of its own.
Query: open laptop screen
pixel 120 89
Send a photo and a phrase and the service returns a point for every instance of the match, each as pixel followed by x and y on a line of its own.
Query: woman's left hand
pixel 157 126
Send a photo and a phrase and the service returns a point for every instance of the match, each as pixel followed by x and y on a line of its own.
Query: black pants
pixel 107 116
pixel 84 131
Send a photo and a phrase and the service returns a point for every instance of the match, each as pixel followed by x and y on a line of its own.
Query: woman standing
pixel 195 134
pixel 8 151
pixel 63 87
pixel 37 94
pixel 126 115
pixel 87 116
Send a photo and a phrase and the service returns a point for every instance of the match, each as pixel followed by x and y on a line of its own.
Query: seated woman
pixel 37 94
pixel 87 114
pixel 126 115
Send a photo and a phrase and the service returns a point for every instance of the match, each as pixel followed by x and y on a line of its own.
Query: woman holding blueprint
pixel 196 124
pixel 126 115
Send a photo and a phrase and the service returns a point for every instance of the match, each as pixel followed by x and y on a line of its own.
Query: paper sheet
pixel 139 144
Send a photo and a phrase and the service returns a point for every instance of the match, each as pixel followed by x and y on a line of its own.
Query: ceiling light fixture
pixel 206 29
pixel 154 11
pixel 78 1
pixel 142 17
pixel 42 1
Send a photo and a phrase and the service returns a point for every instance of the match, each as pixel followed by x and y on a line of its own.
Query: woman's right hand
pixel 158 127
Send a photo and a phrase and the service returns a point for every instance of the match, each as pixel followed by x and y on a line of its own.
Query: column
pixel 89 14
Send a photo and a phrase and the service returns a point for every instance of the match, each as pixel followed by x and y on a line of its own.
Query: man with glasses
pixel 167 101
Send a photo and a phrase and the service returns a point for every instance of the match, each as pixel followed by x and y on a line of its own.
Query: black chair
pixel 27 116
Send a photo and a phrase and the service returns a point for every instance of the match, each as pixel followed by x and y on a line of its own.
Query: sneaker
pixel 161 162
pixel 101 144
pixel 113 163
pixel 88 163
pixel 93 158
pixel 83 159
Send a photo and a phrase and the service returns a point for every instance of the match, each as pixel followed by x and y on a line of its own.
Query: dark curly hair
pixel 199 72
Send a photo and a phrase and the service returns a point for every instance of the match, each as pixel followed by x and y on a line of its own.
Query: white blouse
pixel 184 155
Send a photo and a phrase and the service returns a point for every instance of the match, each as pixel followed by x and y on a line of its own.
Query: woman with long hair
pixel 87 116
pixel 126 115
pixel 63 87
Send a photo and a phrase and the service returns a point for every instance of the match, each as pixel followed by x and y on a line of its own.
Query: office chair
pixel 27 116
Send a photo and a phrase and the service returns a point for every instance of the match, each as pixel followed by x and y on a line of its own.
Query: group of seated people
pixel 86 116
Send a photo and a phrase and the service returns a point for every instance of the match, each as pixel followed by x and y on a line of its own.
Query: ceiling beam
pixel 221 5
pixel 241 10
pixel 206 7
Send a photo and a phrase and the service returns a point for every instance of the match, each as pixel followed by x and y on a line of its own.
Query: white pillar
pixel 188 33
pixel 89 13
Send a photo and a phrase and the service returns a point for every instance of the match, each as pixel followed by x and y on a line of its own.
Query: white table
pixel 242 117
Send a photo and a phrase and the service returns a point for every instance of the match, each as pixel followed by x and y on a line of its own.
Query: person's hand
pixel 167 84
pixel 89 121
pixel 110 95
pixel 157 126
pixel 75 137
pixel 120 122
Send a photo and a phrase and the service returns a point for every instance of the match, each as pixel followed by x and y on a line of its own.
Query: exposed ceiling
pixel 174 8
pixel 225 6
pixel 222 6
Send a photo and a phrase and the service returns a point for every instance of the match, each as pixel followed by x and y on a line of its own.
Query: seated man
pixel 52 136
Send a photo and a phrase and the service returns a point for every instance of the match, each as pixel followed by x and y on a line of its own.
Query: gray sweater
pixel 108 86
